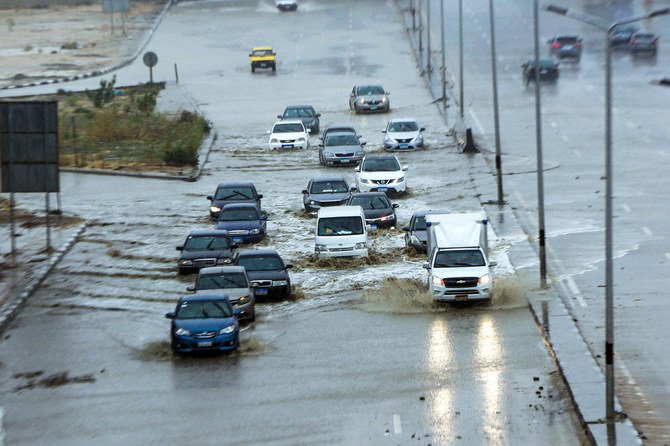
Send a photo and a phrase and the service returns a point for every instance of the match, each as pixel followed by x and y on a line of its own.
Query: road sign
pixel 150 59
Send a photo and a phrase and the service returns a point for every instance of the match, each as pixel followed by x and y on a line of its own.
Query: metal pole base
pixel 469 146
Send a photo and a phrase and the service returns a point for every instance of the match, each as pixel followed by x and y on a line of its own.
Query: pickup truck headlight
pixel 486 278
pixel 214 209
pixel 361 245
pixel 437 281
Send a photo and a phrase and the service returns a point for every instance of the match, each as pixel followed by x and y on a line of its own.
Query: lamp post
pixel 609 310
pixel 538 144
pixel 496 121
pixel 460 59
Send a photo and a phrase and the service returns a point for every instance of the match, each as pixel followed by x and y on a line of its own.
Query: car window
pixel 221 280
pixel 305 112
pixel 291 113
pixel 341 140
pixel 262 53
pixel 288 128
pixel 234 193
pixel 203 309
pixel 380 165
pixel 567 39
pixel 419 224
pixel 261 263
pixel 245 214
pixel 370 89
pixel 206 242
pixel 340 226
pixel 450 259
pixel 329 187
pixel 371 202
pixel 404 126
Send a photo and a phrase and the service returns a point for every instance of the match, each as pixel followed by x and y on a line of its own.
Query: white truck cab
pixel 341 232
pixel 458 265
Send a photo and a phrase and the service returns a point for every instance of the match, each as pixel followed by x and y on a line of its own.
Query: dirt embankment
pixel 51 40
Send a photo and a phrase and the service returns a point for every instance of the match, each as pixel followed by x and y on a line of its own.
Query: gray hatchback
pixel 369 98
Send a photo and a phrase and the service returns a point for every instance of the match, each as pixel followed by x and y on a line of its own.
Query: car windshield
pixel 328 187
pixel 341 140
pixel 234 193
pixel 206 243
pixel 299 113
pixel 644 36
pixel 404 126
pixel 371 202
pixel 288 128
pixel 262 52
pixel 340 226
pixel 221 280
pixel 452 259
pixel 261 263
pixel 204 309
pixel 419 224
pixel 380 165
pixel 245 214
pixel 370 89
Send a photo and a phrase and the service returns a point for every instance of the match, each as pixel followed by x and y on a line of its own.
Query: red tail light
pixel 555 45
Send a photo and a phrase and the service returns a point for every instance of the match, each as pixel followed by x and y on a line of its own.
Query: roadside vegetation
pixel 118 128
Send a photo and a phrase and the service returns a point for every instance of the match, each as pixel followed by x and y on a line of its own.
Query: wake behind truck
pixel 459 268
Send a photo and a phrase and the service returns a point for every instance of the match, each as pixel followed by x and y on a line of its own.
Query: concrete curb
pixel 104 71
pixel 11 309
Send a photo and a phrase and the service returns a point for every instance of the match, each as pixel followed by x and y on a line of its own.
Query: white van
pixel 341 232
pixel 458 261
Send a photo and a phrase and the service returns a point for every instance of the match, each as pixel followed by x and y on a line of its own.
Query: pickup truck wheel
pixel 253 69
pixel 274 67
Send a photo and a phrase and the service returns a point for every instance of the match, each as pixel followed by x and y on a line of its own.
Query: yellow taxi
pixel 263 57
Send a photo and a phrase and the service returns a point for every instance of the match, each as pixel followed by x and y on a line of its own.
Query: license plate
pixel 461 297
pixel 287 146
pixel 404 146
pixel 373 108
pixel 382 188
pixel 263 64
pixel 261 291
pixel 238 239
pixel 344 160
pixel 204 343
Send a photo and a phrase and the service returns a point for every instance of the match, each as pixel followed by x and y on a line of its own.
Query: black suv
pixel 205 248
pixel 267 272
pixel 378 209
pixel 548 70
pixel 233 192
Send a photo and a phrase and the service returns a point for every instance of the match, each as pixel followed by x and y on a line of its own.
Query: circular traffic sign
pixel 150 59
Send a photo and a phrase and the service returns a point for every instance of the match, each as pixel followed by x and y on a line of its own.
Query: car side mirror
pixel 395 205
pixel 384 131
pixel 387 93
pixel 250 54
pixel 358 168
pixel 318 115
pixel 404 168
pixel 320 144
pixel 267 132
pixel 549 41
pixel 305 192
pixel 209 197
pixel 406 228
pixel 288 266
pixel 179 248
pixel 264 218
pixel 274 54
pixel 422 129
pixel 190 288
pixel 310 130
pixel 425 266
pixel 260 196
pixel 279 116
pixel 352 189
pixel 363 143
pixel 170 315
pixel 493 263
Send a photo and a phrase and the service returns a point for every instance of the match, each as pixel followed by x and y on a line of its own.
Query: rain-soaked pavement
pixel 360 355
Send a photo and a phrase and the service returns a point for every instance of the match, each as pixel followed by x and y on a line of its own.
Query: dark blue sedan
pixel 204 323
pixel 243 221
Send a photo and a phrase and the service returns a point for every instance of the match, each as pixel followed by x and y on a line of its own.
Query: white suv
pixel 289 134
pixel 381 173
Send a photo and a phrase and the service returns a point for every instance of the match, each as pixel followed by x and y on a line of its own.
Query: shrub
pixel 104 94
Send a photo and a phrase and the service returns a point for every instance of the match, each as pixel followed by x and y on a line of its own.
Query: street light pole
pixel 460 59
pixel 609 276
pixel 538 145
pixel 496 121
pixel 443 68
pixel 428 50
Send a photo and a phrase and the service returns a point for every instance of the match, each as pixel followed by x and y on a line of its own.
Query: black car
pixel 205 248
pixel 378 209
pixel 325 191
pixel 267 272
pixel 566 47
pixel 416 232
pixel 643 43
pixel 620 36
pixel 305 113
pixel 233 192
pixel 548 70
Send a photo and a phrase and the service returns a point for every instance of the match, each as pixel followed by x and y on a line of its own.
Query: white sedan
pixel 381 173
pixel 289 134
pixel 403 134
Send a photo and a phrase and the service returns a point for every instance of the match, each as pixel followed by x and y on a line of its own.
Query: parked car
pixel 415 230
pixel 231 281
pixel 289 134
pixel 341 148
pixel 644 43
pixel 621 35
pixel 203 322
pixel 305 113
pixel 263 57
pixel 243 221
pixel 548 70
pixel 369 98
pixel 403 134
pixel 267 271
pixel 233 192
pixel 566 47
pixel 286 5
pixel 339 128
pixel 381 173
pixel 325 191
pixel 378 209
pixel 205 248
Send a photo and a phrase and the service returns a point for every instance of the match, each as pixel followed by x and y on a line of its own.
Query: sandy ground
pixel 62 41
